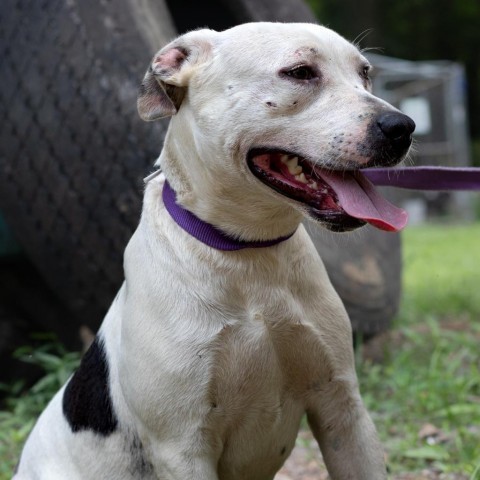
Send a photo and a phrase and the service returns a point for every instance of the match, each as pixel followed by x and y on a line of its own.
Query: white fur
pixel 214 356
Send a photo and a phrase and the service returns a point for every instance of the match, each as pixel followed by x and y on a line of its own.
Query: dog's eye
pixel 365 72
pixel 303 72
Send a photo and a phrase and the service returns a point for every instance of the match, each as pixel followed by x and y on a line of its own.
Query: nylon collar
pixel 203 231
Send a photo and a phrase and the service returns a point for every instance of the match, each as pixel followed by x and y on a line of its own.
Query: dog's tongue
pixel 359 199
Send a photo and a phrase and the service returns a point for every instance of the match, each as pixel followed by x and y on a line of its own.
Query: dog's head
pixel 283 111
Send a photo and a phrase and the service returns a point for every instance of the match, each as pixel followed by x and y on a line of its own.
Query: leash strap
pixel 426 178
pixel 203 231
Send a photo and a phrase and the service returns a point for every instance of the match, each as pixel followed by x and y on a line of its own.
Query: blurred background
pixel 73 155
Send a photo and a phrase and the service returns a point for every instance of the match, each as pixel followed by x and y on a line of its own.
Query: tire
pixel 365 268
pixel 73 151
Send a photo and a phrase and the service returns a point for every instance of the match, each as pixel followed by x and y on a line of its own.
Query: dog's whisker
pixel 372 49
pixel 361 36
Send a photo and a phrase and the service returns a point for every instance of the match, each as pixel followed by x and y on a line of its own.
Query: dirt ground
pixel 305 463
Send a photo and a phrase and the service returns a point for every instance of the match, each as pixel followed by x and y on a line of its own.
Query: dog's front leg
pixel 345 433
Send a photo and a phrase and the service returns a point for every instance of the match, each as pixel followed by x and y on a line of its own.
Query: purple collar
pixel 204 232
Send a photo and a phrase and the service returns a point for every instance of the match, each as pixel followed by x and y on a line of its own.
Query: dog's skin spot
pixel 271 104
pixel 370 101
pixel 305 51
pixel 336 444
pixel 284 449
pixel 140 467
pixel 87 404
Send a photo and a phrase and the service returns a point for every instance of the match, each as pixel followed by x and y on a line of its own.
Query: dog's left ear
pixel 164 85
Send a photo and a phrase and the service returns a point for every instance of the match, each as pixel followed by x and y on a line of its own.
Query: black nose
pixel 398 128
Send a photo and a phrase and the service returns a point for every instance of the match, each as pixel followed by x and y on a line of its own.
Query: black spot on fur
pixel 141 467
pixel 87 404
pixel 284 449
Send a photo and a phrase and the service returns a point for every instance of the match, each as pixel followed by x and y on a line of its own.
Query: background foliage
pixel 425 394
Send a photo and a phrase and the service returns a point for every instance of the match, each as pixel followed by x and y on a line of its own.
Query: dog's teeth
pixel 292 162
pixel 284 158
pixel 313 185
pixel 301 178
pixel 293 167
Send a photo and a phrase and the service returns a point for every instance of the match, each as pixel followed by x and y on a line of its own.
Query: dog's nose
pixel 398 128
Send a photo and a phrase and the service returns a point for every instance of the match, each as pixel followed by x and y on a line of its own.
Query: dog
pixel 227 330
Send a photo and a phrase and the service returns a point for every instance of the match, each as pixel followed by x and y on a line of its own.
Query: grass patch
pixel 425 398
pixel 430 375
pixel 431 372
pixel 22 408
pixel 441 272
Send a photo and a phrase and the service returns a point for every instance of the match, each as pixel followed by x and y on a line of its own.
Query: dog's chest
pixel 271 348
pixel 263 368
pixel 238 350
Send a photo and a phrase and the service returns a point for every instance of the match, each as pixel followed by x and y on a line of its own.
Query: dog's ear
pixel 164 85
pixel 156 98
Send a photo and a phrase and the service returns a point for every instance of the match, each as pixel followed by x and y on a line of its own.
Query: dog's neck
pixel 203 231
pixel 213 183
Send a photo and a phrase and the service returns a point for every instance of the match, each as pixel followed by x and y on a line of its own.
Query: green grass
pixel 441 271
pixel 430 375
pixel 22 409
pixel 433 377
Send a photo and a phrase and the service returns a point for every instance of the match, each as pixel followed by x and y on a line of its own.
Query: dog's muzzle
pixel 342 199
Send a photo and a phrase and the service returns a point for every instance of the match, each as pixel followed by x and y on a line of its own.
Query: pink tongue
pixel 358 197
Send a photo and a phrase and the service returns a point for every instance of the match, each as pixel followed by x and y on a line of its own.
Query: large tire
pixel 73 151
pixel 365 267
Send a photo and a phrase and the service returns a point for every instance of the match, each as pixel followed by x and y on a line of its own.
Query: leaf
pixel 459 409
pixel 427 453
pixel 428 430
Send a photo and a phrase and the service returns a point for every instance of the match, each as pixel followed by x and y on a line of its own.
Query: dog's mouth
pixel 341 199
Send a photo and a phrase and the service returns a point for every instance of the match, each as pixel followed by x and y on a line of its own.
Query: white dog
pixel 227 330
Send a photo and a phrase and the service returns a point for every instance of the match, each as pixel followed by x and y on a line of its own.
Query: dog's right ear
pixel 164 85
